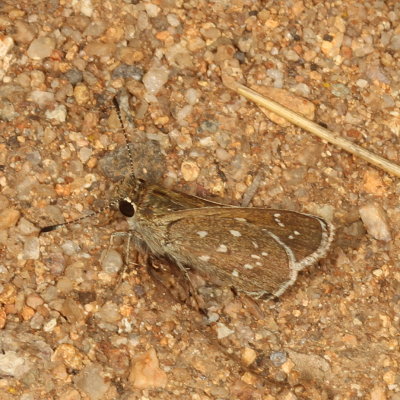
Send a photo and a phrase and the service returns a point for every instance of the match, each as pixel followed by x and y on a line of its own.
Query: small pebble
pixel 70 247
pixel 24 32
pixel 86 7
pixel 291 55
pixel 248 356
pixel 146 373
pixel 34 300
pixel 222 154
pixel 55 262
pixel 109 313
pixel 84 154
pixel 92 382
pixel 41 98
pixel 111 261
pixel 192 96
pixel 184 112
pixel 395 43
pixel 31 248
pixel 378 393
pixel 81 94
pixel 69 355
pixel 190 171
pixel 73 311
pixel 6 44
pixel 65 285
pixel 213 317
pixel 340 90
pixel 36 322
pixel 11 364
pixel 99 49
pixel 173 20
pixel 361 83
pixel 41 48
pixel 95 29
pixel 7 111
pixel 375 221
pixel 155 79
pixel 152 9
pixel 50 325
pixel 74 76
pixel 26 227
pixel 223 331
pixel 59 113
pixel 278 358
pixel 4 202
pixel 8 218
pixel 128 71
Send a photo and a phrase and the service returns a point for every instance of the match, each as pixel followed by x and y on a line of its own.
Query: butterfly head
pixel 127 195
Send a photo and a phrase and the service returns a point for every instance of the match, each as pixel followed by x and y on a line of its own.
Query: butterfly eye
pixel 126 208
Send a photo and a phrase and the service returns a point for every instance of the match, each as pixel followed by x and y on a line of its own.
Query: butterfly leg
pixel 138 244
pixel 192 290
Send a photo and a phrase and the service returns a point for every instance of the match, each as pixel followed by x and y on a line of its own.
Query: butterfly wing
pixel 258 251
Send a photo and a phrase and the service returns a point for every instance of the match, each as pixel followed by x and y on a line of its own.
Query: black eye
pixel 126 208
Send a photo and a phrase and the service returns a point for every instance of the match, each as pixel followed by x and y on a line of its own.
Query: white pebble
pixel 59 113
pixel 70 248
pixel 173 20
pixel 222 154
pixel 41 48
pixel 86 8
pixel 223 331
pixel 190 171
pixel 31 248
pixel 362 83
pixel 184 112
pixel 13 365
pixel 207 141
pixel 26 227
pixel 84 154
pixel 375 221
pixel 111 261
pixel 191 96
pixel 6 44
pixel 152 10
pixel 41 98
pixel 155 79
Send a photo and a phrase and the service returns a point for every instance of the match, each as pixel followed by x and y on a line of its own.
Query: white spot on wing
pixel 255 245
pixel 235 233
pixel 264 254
pixel 202 234
pixel 204 258
pixel 248 266
pixel 278 221
pixel 255 256
pixel 222 248
pixel 241 219
pixel 235 273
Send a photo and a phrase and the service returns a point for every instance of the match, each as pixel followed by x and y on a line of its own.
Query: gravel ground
pixel 71 328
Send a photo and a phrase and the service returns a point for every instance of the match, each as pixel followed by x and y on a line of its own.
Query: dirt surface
pixel 71 328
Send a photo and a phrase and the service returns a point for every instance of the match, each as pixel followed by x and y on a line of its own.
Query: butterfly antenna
pixel 50 228
pixel 128 143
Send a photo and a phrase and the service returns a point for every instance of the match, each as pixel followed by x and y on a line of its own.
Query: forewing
pixel 257 251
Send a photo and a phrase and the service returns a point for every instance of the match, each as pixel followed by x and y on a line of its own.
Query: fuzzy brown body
pixel 258 251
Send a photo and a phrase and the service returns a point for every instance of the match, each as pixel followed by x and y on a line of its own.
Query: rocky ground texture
pixel 73 325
